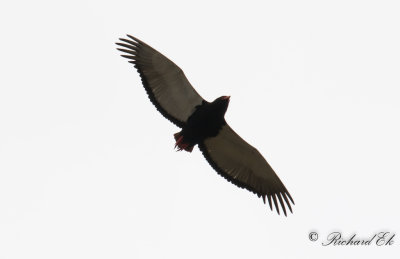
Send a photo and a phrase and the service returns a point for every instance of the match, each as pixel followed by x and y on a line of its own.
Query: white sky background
pixel 87 165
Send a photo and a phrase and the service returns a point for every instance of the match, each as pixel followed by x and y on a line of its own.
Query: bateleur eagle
pixel 203 123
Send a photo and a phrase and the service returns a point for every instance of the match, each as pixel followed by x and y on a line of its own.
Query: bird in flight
pixel 203 124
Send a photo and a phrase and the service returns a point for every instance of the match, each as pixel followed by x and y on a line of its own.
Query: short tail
pixel 181 144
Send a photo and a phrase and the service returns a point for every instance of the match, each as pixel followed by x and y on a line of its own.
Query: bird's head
pixel 221 103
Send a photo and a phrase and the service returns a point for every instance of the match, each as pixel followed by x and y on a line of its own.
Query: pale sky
pixel 87 164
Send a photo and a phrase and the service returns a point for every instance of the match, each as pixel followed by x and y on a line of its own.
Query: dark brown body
pixel 206 121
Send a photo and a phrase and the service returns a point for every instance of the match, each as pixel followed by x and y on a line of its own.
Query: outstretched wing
pixel 243 165
pixel 165 83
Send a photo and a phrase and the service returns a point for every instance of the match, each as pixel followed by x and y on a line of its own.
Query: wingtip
pixel 281 202
pixel 128 57
pixel 133 38
pixel 276 204
pixel 287 201
pixel 290 197
pixel 269 201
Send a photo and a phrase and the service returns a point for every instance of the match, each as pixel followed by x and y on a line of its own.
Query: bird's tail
pixel 181 144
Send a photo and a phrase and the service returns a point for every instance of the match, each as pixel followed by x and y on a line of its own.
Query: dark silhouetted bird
pixel 203 123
